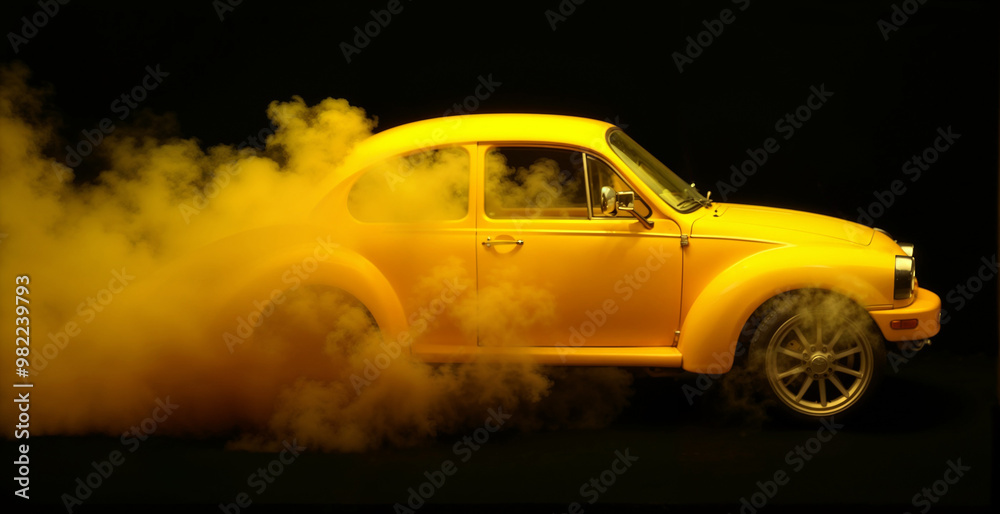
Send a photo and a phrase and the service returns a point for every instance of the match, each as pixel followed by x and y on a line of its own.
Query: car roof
pixel 471 128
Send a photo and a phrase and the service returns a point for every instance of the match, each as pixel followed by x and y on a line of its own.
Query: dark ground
pixel 939 407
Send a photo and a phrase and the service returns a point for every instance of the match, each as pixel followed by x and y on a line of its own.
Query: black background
pixel 610 60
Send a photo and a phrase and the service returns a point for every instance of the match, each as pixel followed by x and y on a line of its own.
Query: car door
pixel 553 270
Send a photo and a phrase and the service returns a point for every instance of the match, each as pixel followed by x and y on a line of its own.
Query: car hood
pixel 752 221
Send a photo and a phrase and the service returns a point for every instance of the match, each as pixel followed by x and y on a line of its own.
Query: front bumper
pixel 925 309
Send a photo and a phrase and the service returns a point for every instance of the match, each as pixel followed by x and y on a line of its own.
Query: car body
pixel 568 244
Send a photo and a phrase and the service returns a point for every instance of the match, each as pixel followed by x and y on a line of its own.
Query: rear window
pixel 432 185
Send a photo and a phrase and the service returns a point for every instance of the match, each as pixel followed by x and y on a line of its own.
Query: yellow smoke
pixel 133 275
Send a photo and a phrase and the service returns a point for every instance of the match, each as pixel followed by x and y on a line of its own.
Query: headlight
pixel 906 275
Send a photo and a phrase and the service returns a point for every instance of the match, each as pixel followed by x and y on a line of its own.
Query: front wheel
pixel 820 357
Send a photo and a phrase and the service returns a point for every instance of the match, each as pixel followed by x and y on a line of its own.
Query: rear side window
pixel 432 185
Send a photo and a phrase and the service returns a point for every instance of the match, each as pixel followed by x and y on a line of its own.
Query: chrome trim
pixel 912 346
pixel 586 185
pixel 488 243
pixel 903 278
pixel 907 248
pixel 586 157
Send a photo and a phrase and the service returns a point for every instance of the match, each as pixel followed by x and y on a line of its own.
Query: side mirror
pixel 612 202
pixel 625 200
pixel 609 205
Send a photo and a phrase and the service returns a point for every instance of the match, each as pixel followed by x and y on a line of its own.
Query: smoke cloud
pixel 133 277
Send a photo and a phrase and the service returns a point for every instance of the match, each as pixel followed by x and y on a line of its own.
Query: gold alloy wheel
pixel 819 367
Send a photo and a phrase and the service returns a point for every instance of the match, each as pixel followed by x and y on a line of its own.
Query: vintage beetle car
pixel 560 239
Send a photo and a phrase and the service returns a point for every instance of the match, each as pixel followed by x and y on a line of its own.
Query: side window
pixel 530 182
pixel 601 175
pixel 432 185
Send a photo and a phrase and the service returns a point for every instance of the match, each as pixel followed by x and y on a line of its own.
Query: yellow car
pixel 562 241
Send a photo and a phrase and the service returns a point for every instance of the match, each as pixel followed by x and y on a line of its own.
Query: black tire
pixel 817 355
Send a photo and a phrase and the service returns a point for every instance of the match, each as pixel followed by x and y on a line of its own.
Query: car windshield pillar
pixel 661 179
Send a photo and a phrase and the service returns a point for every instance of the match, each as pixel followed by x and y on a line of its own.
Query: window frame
pixel 488 146
pixel 470 153
pixel 586 171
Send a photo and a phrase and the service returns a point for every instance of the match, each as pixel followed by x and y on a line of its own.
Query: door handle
pixel 489 242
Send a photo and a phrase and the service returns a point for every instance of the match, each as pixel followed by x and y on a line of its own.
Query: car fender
pixel 712 326
pixel 335 266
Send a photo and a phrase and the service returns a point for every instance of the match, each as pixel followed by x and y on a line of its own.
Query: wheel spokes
pixel 805 385
pixel 791 353
pixel 845 353
pixel 802 338
pixel 793 371
pixel 849 371
pixel 833 342
pixel 838 385
pixel 828 351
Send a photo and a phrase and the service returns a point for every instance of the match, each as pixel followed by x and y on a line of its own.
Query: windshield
pixel 671 188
